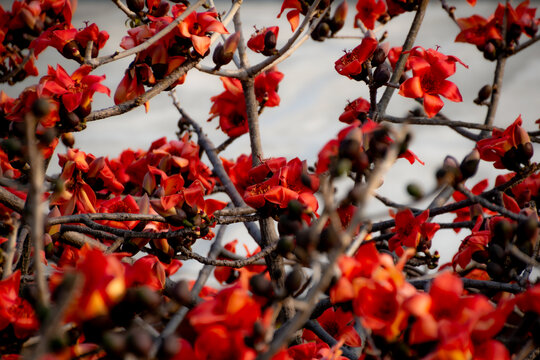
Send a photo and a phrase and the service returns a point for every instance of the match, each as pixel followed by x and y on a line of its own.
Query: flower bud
pixel 378 57
pixel 415 191
pixel 41 108
pixel 135 5
pixel 381 75
pixel 270 41
pixel 321 32
pixel 261 286
pixel 68 139
pixel 490 51
pixel 484 93
pixel 469 165
pixel 139 342
pixel 338 20
pixel 294 280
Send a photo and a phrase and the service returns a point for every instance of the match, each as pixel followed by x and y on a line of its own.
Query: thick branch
pixel 400 66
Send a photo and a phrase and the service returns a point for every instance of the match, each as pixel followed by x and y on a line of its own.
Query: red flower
pixel 477 30
pixel 230 105
pixel 430 69
pixel 75 91
pixel 196 25
pixel 119 205
pixel 464 214
pixel 15 310
pixel 410 230
pixel 369 11
pixel 151 272
pixel 294 15
pixel 477 241
pixel 354 109
pixel 351 63
pixel 339 324
pixel 508 149
pixel 264 40
pixel 283 186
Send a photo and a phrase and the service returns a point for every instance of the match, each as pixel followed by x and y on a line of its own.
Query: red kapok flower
pixel 14 310
pixel 508 149
pixel 369 11
pixel 196 25
pixel 264 40
pixel 430 70
pixel 294 15
pixel 351 63
pixel 75 91
pixel 410 230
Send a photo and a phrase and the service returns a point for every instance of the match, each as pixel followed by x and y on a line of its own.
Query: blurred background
pixel 313 96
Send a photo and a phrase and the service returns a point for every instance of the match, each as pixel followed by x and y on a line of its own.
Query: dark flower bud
pixel 525 152
pixel 270 41
pixel 261 286
pixel 169 348
pixel 490 51
pixel 68 139
pixel 481 257
pixel 469 165
pixel 531 29
pixel 139 342
pixel 496 253
pixel 288 225
pixel 328 240
pixel 285 245
pixel 494 270
pixel 415 190
pixel 135 5
pixel 338 20
pixel 71 51
pixel 41 108
pixel 527 230
pixel 294 280
pixel 510 160
pixel 48 136
pixel 182 294
pixel 114 344
pixel 295 209
pixel 349 149
pixel 381 75
pixel 321 32
pixel 484 93
pixel 378 57
pixel 223 54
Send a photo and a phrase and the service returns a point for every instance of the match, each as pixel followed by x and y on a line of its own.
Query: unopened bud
pixel 381 75
pixel 294 280
pixel 321 32
pixel 135 5
pixel 41 108
pixel 484 93
pixel 415 191
pixel 338 20
pixel 378 57
pixel 270 41
pixel 490 52
pixel 68 139
pixel 469 165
